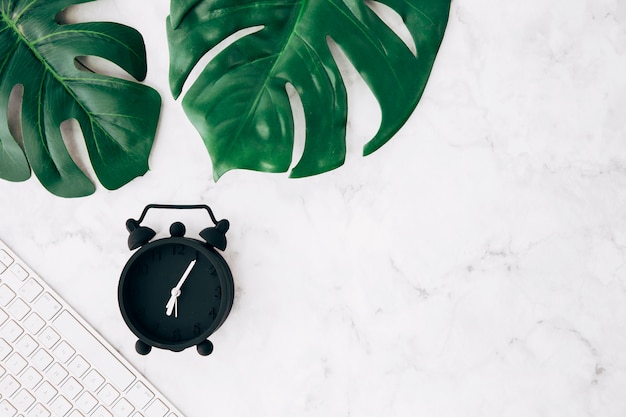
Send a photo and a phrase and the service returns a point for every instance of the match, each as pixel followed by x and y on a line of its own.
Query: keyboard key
pixel 5 349
pixel 7 409
pixel 60 406
pixel 93 380
pixel 71 387
pixel 108 394
pixel 156 409
pixel 45 392
pixel 3 316
pixel 8 386
pixel 26 345
pixel 123 408
pixel 16 363
pixel 19 272
pixel 30 290
pixel 47 306
pixel 11 331
pixel 34 323
pixel 101 412
pixel 41 359
pixel 63 351
pixel 86 402
pixel 56 373
pixel 23 400
pixel 5 258
pixel 6 295
pixel 75 413
pixel 139 395
pixel 30 378
pixel 39 411
pixel 49 337
pixel 78 366
pixel 19 309
pixel 99 356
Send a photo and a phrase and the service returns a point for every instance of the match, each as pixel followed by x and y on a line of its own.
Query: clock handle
pixel 214 235
pixel 177 207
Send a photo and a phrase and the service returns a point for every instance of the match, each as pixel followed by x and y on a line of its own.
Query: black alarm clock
pixel 176 291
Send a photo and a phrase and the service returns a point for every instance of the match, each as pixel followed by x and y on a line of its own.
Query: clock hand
pixel 175 292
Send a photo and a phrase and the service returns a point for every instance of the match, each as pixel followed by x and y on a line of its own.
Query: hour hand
pixel 175 292
pixel 172 302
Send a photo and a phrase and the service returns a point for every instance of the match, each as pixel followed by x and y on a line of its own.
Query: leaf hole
pixel 75 13
pixel 299 123
pixel 75 144
pixel 395 23
pixel 95 64
pixel 14 114
pixel 213 52
pixel 364 114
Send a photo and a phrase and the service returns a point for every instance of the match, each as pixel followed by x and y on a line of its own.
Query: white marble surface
pixel 474 266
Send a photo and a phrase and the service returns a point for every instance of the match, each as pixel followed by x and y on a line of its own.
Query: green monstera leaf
pixel 239 103
pixel 118 117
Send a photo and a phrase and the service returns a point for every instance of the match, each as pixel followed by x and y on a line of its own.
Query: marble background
pixel 473 266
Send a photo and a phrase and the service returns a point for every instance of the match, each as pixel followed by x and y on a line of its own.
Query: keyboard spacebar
pixel 94 351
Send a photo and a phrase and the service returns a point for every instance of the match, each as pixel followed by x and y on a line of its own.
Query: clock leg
pixel 142 348
pixel 205 348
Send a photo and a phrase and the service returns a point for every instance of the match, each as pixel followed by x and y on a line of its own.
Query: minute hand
pixel 169 307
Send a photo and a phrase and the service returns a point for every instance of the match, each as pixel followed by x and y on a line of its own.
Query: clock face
pixel 175 292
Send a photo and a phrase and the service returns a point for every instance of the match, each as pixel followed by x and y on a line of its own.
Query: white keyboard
pixel 52 363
